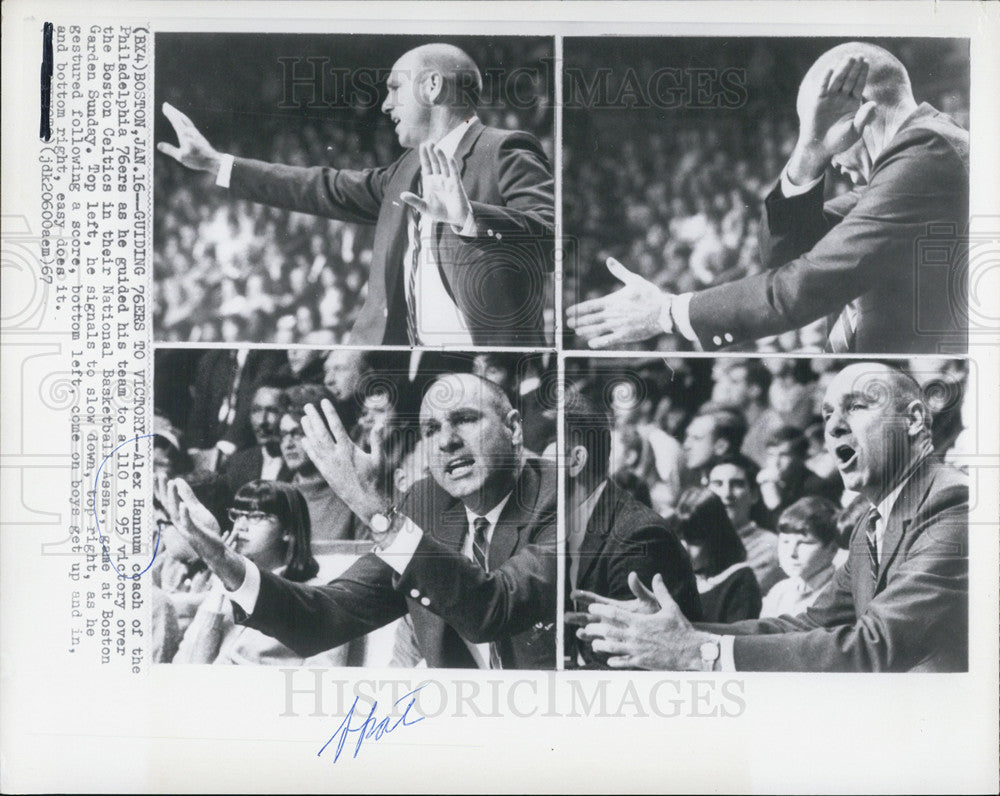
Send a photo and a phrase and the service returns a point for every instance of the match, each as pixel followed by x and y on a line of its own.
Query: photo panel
pixel 385 536
pixel 766 194
pixel 806 514
pixel 293 204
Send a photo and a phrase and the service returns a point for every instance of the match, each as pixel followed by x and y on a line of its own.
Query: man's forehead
pixel 454 392
pixel 869 380
pixel 287 421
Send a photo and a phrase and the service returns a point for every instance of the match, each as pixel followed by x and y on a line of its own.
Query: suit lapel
pixel 901 515
pixel 598 527
pixel 515 516
pixel 406 180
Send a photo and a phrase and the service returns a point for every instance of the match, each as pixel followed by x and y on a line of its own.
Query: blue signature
pixel 372 727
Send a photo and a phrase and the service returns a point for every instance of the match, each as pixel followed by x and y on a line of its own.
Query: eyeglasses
pixel 252 516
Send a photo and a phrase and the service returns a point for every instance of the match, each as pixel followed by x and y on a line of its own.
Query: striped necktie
pixel 873 519
pixel 480 550
pixel 413 220
pixel 841 337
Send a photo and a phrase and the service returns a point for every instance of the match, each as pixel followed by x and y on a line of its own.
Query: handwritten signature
pixel 372 727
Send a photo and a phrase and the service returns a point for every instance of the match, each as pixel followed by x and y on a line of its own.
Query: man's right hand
pixel 201 530
pixel 193 149
pixel 832 117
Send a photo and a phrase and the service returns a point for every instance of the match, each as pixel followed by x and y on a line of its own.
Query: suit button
pixel 424 602
pixel 489 232
pixel 717 340
pixel 498 236
pixel 729 337
pixel 414 593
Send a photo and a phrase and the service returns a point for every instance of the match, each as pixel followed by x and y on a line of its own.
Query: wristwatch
pixel 381 523
pixel 710 652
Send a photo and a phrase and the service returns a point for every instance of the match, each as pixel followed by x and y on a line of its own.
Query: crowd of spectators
pixel 672 183
pixel 694 437
pixel 234 271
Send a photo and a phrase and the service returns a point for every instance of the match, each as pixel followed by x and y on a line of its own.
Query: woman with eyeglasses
pixel 270 526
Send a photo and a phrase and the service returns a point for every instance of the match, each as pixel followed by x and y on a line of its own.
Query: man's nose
pixel 448 439
pixel 836 425
pixel 387 105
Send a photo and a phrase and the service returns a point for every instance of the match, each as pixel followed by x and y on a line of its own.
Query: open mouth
pixel 846 456
pixel 459 466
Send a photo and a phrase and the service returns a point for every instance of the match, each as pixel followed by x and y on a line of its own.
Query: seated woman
pixel 807 544
pixel 726 583
pixel 270 527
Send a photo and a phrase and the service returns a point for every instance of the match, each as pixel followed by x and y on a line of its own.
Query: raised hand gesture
pixel 193 149
pixel 444 198
pixel 354 475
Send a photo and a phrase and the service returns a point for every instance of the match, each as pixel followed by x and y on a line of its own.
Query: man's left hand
pixel 444 196
pixel 628 315
pixel 353 474
pixel 664 640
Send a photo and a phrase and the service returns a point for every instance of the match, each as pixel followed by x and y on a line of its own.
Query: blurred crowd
pixel 678 194
pixel 732 451
pixel 234 271
pixel 228 422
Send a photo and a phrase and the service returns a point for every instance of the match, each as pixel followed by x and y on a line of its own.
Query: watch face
pixel 710 651
pixel 380 523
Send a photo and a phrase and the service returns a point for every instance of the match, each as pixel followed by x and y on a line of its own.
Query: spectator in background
pixel 733 478
pixel 262 460
pixel 727 585
pixel 329 516
pixel 343 372
pixel 807 544
pixel 744 384
pixel 518 375
pixel 713 432
pixel 785 477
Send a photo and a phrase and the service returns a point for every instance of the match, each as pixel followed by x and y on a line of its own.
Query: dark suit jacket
pixel 244 466
pixel 213 381
pixel 448 596
pixel 497 279
pixel 896 245
pixel 915 617
pixel 624 536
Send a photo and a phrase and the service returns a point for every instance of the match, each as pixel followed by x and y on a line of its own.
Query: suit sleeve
pixel 922 610
pixel 486 606
pixel 525 182
pixel 313 619
pixel 344 194
pixel 905 194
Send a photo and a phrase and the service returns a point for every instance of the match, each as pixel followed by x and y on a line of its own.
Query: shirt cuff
pixel 246 595
pixel 790 189
pixel 399 553
pixel 727 663
pixel 226 447
pixel 468 229
pixel 225 171
pixel 681 311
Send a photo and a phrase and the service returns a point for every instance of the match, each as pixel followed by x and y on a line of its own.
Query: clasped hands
pixel 649 632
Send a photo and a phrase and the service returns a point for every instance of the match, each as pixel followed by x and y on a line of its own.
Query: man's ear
pixel 917 418
pixel 433 84
pixel 576 460
pixel 720 447
pixel 513 422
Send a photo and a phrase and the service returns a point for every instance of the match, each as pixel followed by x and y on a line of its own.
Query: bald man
pixel 898 604
pixel 470 554
pixel 464 220
pixel 882 264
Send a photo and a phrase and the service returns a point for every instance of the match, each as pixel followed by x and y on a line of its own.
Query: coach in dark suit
pixel 470 555
pixel 899 603
pixel 463 220
pixel 882 262
pixel 609 534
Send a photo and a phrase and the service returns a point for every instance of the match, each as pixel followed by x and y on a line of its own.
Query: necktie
pixel 413 218
pixel 480 551
pixel 873 519
pixel 841 337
